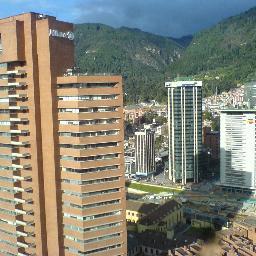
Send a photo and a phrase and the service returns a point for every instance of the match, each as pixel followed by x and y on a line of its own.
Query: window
pixel 88 134
pixel 97 169
pixel 88 146
pixel 89 85
pixel 93 193
pixel 89 158
pixel 89 182
pixel 88 97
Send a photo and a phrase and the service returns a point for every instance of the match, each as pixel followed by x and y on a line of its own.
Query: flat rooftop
pixel 184 83
pixel 238 111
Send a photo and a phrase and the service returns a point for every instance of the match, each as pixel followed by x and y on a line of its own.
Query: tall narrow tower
pixel 145 152
pixel 185 129
pixel 62 188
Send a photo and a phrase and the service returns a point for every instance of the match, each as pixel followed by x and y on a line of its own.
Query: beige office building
pixel 62 189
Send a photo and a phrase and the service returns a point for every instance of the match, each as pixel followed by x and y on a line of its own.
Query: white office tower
pixel 250 94
pixel 185 130
pixel 237 150
pixel 145 152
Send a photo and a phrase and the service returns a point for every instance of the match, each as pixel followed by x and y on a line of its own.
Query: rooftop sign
pixel 68 35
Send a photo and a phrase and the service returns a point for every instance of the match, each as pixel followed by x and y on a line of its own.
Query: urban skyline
pixel 125 143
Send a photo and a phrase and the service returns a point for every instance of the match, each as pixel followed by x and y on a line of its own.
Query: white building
pixel 237 149
pixel 129 164
pixel 185 130
pixel 145 152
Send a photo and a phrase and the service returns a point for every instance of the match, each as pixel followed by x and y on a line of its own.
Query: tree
pixel 216 124
pixel 159 141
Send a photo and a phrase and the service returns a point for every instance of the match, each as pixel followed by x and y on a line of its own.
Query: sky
pixel 174 18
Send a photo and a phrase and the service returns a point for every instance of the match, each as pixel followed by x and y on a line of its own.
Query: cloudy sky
pixel 166 17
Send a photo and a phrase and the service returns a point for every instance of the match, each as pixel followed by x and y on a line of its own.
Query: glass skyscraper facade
pixel 185 130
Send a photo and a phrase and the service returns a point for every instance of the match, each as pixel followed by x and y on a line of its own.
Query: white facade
pixel 145 152
pixel 237 149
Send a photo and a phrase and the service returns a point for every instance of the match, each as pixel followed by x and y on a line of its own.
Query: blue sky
pixel 165 17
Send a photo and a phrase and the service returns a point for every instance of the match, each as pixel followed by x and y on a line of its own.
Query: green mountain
pixel 142 58
pixel 222 56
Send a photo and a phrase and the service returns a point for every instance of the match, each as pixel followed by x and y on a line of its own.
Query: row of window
pixel 93 240
pixel 89 122
pixel 12 100
pixel 95 228
pixel 102 249
pixel 12 88
pixel 88 182
pixel 87 97
pixel 93 193
pixel 12 234
pixel 92 217
pixel 8 134
pixel 85 85
pixel 88 110
pixel 8 222
pixel 5 123
pixel 10 111
pixel 88 158
pixel 96 169
pixel 8 201
pixel 89 146
pixel 6 179
pixel 88 206
pixel 9 190
pixel 9 212
pixel 88 134
pixel 14 245
pixel 16 122
pixel 3 251
pixel 7 168
pixel 9 157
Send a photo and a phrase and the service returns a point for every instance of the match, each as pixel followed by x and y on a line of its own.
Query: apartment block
pixel 185 130
pixel 237 149
pixel 62 187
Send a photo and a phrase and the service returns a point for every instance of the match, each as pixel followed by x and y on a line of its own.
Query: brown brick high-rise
pixel 61 146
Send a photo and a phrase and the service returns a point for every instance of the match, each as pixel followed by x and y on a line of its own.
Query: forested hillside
pixel 222 56
pixel 142 58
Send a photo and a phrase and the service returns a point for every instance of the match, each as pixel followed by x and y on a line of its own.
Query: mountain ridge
pixel 222 56
pixel 140 57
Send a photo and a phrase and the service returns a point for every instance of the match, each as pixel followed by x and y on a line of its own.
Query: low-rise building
pixel 233 244
pixel 163 219
pixel 136 210
pixel 150 244
pixel 248 227
pixel 189 250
